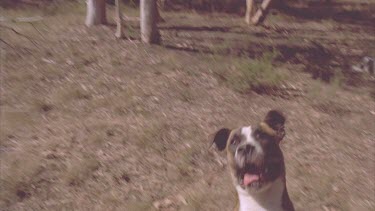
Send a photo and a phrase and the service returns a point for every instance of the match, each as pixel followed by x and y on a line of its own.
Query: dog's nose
pixel 246 149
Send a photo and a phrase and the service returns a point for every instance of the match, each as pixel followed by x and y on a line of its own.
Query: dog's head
pixel 254 155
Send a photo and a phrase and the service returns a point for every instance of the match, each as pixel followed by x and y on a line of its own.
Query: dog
pixel 256 164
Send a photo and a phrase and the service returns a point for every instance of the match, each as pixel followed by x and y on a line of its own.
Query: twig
pixel 6 43
pixel 20 34
pixel 36 29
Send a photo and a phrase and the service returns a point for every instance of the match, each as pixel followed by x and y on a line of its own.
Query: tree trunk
pixel 149 30
pixel 95 12
pixel 262 12
pixel 160 5
pixel 249 10
pixel 119 32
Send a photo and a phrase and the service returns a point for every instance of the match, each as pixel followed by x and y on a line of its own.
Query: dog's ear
pixel 220 138
pixel 273 124
pixel 275 119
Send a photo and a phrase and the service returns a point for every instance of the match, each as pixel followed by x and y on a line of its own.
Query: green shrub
pixel 258 75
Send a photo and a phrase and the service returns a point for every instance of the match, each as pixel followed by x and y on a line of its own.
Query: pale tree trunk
pixel 119 32
pixel 149 30
pixel 262 12
pixel 95 12
pixel 249 10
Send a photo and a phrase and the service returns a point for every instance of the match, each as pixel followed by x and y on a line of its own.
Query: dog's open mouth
pixel 250 176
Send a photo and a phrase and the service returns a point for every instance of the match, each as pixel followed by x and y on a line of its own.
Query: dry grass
pixel 79 170
pixel 19 173
pixel 91 122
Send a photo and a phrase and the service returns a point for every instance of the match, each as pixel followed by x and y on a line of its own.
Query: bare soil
pixel 89 122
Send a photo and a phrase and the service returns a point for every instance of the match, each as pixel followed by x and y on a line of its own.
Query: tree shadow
pixel 197 28
pixel 344 12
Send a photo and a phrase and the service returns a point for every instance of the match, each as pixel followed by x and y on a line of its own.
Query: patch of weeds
pixel 79 171
pixel 316 89
pixel 258 75
pixel 274 18
pixel 323 92
pixel 169 62
pixel 71 7
pixel 336 82
pixel 131 9
pixel 132 31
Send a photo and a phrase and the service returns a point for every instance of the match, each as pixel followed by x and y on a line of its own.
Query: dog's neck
pixel 269 199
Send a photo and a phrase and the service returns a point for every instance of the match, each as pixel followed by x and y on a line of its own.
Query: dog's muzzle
pixel 249 165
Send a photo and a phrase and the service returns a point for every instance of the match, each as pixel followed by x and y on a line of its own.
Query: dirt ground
pixel 89 122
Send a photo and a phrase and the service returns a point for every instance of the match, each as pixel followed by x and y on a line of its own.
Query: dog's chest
pixel 269 200
pixel 249 204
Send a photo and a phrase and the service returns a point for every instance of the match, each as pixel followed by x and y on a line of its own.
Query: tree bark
pixel 262 12
pixel 160 6
pixel 96 13
pixel 249 10
pixel 119 32
pixel 149 30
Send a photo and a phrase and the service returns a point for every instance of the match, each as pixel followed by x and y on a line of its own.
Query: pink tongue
pixel 249 178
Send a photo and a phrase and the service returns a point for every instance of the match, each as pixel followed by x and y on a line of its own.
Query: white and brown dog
pixel 257 164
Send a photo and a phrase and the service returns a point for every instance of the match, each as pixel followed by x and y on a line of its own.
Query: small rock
pixel 110 133
pixel 46 107
pixel 125 177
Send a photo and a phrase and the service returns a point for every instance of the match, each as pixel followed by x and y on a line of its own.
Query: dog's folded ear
pixel 273 124
pixel 275 119
pixel 220 138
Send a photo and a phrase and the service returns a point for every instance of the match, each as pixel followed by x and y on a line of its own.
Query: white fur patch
pixel 246 131
pixel 266 200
